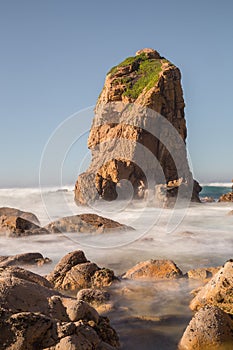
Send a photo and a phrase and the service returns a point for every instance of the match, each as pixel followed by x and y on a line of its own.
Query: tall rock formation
pixel 138 134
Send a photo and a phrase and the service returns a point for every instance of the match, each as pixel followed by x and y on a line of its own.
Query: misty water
pixel 147 315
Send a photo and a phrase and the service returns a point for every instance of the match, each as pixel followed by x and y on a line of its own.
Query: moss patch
pixel 147 75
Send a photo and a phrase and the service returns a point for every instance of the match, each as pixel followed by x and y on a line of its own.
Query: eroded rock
pixel 127 127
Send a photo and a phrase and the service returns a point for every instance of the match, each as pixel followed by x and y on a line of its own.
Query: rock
pixel 230 213
pixel 150 53
pixel 15 226
pixel 16 212
pixel 218 291
pixel 228 197
pixel 203 274
pixel 154 269
pixel 93 296
pixel 207 200
pixel 86 223
pixel 209 329
pixel 34 316
pixel 127 128
pixel 24 259
pixel 75 272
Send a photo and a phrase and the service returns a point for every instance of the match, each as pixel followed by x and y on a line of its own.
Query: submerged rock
pixel 75 272
pixel 127 128
pixel 86 223
pixel 23 259
pixel 210 329
pixel 16 212
pixel 16 226
pixel 154 269
pixel 202 273
pixel 34 316
pixel 93 296
pixel 218 291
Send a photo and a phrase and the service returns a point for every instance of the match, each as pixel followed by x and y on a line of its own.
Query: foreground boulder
pixel 85 223
pixel 127 128
pixel 23 259
pixel 218 291
pixel 16 226
pixel 16 212
pixel 34 316
pixel 154 269
pixel 75 272
pixel 210 329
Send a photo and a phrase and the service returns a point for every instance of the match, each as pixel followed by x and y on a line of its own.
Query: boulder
pixel 86 223
pixel 16 212
pixel 227 197
pixel 218 291
pixel 129 141
pixel 16 226
pixel 34 316
pixel 210 329
pixel 23 259
pixel 75 272
pixel 154 269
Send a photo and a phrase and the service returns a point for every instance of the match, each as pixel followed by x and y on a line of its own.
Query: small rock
pixel 93 296
pixel 24 259
pixel 16 226
pixel 203 274
pixel 16 212
pixel 154 269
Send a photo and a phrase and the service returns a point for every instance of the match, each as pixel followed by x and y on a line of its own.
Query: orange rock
pixel 154 269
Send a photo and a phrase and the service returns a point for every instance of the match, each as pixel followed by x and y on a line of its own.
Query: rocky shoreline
pixel 70 307
pixel 58 311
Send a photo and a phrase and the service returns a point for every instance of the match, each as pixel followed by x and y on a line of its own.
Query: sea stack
pixel 138 134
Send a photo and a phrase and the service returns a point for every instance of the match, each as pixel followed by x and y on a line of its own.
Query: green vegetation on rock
pixel 147 75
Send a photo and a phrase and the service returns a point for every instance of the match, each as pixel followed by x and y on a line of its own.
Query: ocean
pixel 151 315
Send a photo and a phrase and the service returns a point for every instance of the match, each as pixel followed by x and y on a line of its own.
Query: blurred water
pixel 151 315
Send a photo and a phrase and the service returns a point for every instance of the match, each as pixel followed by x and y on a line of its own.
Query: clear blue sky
pixel 55 54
